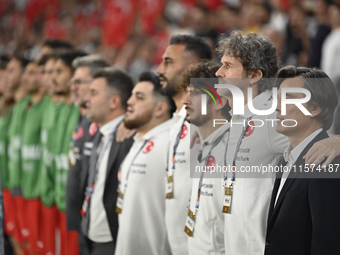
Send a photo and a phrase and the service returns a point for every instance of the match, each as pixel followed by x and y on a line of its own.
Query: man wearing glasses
pixel 81 144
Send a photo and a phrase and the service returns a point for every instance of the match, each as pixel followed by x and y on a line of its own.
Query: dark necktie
pixel 90 181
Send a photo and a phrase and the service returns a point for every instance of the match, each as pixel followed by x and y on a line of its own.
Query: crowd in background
pixel 134 34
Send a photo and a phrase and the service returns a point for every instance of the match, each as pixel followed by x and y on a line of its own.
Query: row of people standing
pixel 226 214
pixel 126 140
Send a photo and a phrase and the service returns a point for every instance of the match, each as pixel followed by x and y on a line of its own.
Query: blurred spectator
pixel 297 40
pixel 279 17
pixel 276 37
pixel 50 45
pixel 323 29
pixel 331 48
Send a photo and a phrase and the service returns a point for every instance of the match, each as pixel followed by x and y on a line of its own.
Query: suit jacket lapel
pixel 290 180
pixel 275 189
pixel 112 156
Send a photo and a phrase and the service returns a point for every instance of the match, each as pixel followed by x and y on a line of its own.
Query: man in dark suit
pixel 106 104
pixel 304 210
pixel 80 146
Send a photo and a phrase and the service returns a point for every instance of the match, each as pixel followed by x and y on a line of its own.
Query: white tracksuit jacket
pixel 176 207
pixel 245 226
pixel 142 220
pixel 208 234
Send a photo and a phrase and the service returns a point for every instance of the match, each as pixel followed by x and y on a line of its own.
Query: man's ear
pixel 314 110
pixel 160 109
pixel 254 77
pixel 115 102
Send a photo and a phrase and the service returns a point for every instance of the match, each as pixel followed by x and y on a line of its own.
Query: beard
pixel 139 121
pixel 170 89
pixel 200 120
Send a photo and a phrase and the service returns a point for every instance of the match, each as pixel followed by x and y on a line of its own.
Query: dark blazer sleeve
pixel 74 199
pixel 324 204
pixel 117 155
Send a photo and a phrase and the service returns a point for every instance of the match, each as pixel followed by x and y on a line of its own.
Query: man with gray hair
pixel 85 67
pixel 81 144
pixel 248 61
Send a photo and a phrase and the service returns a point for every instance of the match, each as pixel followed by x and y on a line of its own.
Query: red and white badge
pixel 148 147
pixel 184 131
pixel 250 129
pixel 80 133
pixel 93 128
pixel 211 161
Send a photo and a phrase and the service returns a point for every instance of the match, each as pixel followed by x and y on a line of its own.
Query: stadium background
pixel 134 33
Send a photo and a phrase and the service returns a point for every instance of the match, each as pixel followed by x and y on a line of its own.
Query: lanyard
pixel 178 138
pixel 233 178
pixel 132 161
pixel 218 140
pixel 237 149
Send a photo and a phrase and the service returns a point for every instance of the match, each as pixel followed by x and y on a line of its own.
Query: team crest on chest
pixel 250 129
pixel 184 132
pixel 93 129
pixel 211 162
pixel 148 147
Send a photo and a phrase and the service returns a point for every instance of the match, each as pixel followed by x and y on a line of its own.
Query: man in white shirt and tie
pixel 106 103
pixel 303 214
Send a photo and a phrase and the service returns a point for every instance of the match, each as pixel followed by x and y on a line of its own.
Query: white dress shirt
pixel 99 230
pixel 291 155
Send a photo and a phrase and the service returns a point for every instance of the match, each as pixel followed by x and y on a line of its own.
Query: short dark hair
pixel 118 80
pixel 93 62
pixel 254 52
pixel 42 61
pixel 322 89
pixel 3 61
pixel 203 70
pixel 194 44
pixel 57 44
pixel 68 56
pixel 23 61
pixel 157 89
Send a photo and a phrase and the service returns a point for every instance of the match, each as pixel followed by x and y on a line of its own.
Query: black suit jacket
pixel 305 219
pixel 118 151
pixel 77 173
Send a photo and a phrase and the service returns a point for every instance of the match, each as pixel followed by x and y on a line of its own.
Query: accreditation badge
pixel 119 204
pixel 190 223
pixel 228 192
pixel 169 187
pixel 72 156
